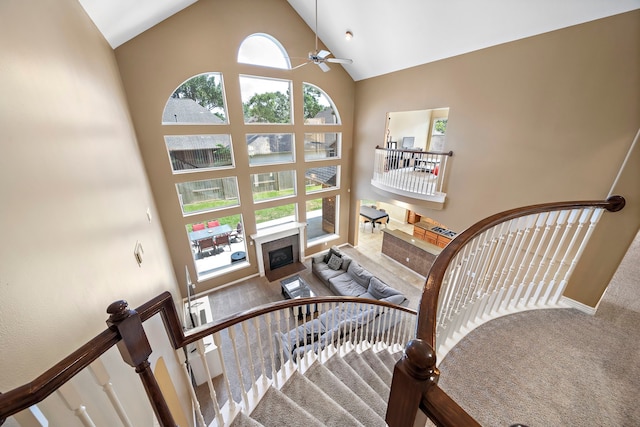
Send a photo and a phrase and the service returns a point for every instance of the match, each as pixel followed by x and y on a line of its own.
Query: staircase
pixel 513 261
pixel 348 389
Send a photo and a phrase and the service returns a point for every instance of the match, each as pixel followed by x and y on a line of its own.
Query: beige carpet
pixel 555 367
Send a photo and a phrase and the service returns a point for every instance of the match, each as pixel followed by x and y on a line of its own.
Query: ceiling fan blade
pixel 324 67
pixel 323 54
pixel 301 65
pixel 340 60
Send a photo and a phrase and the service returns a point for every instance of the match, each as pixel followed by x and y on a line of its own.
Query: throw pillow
pixel 332 251
pixel 335 262
pixel 380 290
pixel 359 274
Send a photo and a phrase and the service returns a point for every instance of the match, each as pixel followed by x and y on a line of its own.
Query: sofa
pixel 345 277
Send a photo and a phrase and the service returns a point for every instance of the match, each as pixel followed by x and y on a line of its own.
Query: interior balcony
pixel 412 173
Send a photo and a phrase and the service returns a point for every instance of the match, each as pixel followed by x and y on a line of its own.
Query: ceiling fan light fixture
pixel 348 35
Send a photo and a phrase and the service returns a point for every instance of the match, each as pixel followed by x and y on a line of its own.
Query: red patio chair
pixel 212 224
pixel 197 227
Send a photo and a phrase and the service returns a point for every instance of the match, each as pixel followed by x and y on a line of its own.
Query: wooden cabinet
pixel 413 217
pixel 443 241
pixel 430 236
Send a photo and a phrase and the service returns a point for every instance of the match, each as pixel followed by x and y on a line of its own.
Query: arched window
pixel 199 100
pixel 319 109
pixel 262 49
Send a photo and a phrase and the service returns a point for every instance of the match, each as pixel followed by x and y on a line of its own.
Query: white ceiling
pixel 388 36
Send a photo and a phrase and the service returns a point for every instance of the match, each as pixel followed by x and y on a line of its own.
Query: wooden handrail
pixel 415 375
pixel 426 326
pixel 29 394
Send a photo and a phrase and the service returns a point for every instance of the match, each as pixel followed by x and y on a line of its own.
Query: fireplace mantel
pixel 274 233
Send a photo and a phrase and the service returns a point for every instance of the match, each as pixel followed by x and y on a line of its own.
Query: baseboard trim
pixel 578 306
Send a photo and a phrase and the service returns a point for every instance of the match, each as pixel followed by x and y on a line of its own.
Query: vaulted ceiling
pixel 387 36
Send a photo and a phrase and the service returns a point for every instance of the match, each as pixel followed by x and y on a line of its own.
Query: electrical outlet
pixel 407 259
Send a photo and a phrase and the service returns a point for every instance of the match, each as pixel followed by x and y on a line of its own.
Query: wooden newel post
pixel 412 375
pixel 135 350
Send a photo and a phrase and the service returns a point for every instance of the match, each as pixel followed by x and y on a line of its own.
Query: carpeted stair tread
pixel 351 379
pixel 318 403
pixel 389 359
pixel 362 368
pixel 343 396
pixel 241 420
pixel 377 365
pixel 276 409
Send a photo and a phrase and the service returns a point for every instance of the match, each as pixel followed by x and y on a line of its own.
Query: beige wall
pixel 73 192
pixel 547 118
pixel 206 37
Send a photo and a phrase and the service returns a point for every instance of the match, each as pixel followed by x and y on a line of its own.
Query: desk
pixel 372 215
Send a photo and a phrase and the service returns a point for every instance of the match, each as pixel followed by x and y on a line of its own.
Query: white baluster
pixel 236 356
pixel 252 376
pixel 72 399
pixel 595 217
pixel 200 345
pixel 558 219
pixel 287 322
pixel 194 398
pixel 31 417
pixel 100 374
pixel 232 403
pixel 272 353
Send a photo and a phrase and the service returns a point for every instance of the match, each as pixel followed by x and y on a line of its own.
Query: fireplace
pixel 271 241
pixel 280 257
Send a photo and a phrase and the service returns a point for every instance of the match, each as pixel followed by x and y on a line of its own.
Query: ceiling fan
pixel 321 57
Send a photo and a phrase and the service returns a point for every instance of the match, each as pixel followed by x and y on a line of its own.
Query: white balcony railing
pixel 417 174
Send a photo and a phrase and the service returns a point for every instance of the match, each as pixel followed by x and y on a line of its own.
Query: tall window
pixel 203 158
pixel 322 145
pixel 321 219
pixel 199 152
pixel 273 148
pixel 273 185
pixel 265 100
pixel 277 215
pixel 321 178
pixel 208 195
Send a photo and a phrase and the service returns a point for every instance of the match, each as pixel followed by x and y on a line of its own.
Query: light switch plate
pixel 138 252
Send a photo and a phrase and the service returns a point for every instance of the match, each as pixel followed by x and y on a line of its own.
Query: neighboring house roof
pixel 197 142
pixel 186 110
pixel 324 175
pixel 327 116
